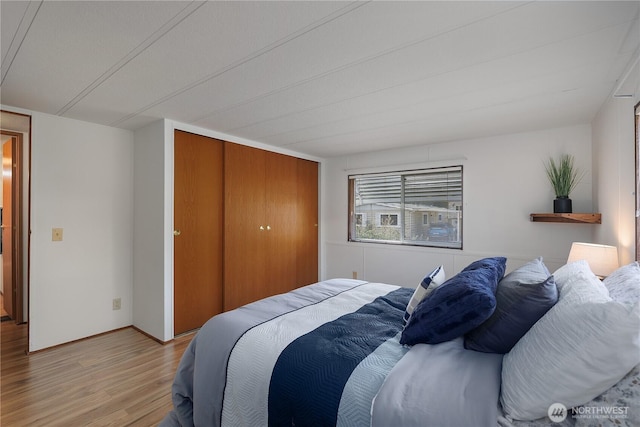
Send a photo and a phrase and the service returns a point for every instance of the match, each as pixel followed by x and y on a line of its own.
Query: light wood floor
pixel 121 378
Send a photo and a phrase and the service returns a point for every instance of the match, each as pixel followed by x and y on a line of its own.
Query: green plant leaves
pixel 563 175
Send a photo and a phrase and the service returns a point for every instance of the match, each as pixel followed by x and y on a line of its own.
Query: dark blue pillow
pixel 498 263
pixel 522 298
pixel 458 305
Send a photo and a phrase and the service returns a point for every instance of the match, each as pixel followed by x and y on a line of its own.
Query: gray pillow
pixel 523 297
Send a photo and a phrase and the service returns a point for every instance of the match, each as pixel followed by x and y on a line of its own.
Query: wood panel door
pixel 281 218
pixel 271 221
pixel 7 229
pixel 198 235
pixel 307 230
pixel 245 250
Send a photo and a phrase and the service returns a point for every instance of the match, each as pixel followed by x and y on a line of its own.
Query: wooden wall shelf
pixel 575 218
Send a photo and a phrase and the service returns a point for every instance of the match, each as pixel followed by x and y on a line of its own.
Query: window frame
pixel 401 214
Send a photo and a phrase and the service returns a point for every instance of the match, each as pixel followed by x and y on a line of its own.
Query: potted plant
pixel 564 176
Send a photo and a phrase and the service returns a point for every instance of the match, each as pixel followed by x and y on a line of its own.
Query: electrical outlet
pixel 117 303
pixel 56 234
pixel 354 274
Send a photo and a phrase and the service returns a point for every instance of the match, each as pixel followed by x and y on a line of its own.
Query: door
pixel 307 232
pixel 245 257
pixel 198 235
pixel 280 214
pixel 7 228
pixel 12 230
pixel 270 224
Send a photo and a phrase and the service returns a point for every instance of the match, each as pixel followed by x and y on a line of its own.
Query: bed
pixel 352 353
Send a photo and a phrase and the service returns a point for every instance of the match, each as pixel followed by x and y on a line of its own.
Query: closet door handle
pixel 176 232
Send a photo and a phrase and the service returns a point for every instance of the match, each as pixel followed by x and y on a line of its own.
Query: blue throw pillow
pixel 522 298
pixel 428 284
pixel 457 306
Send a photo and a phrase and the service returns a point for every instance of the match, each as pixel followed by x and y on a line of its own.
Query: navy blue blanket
pixel 310 374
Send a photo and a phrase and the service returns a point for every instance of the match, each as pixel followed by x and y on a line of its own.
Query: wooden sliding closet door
pixel 245 226
pixel 271 218
pixel 307 214
pixel 281 217
pixel 198 235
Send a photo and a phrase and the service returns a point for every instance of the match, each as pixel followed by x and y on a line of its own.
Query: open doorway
pixel 15 132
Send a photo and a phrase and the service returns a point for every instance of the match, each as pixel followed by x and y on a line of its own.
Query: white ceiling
pixel 323 78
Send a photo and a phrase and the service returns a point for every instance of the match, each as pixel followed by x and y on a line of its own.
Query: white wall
pixel 81 181
pixel 151 282
pixel 504 181
pixel 614 167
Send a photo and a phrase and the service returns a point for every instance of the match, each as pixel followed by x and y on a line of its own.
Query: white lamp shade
pixel 602 259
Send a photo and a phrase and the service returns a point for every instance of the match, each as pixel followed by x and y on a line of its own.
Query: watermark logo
pixel 557 412
pixel 602 412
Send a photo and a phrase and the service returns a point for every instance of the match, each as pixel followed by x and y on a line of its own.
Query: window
pixel 421 207
pixel 388 220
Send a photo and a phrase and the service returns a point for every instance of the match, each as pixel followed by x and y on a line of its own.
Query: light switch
pixel 56 234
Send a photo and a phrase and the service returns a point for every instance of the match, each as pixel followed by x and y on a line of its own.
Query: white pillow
pixel 567 271
pixel 583 346
pixel 428 284
pixel 624 283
